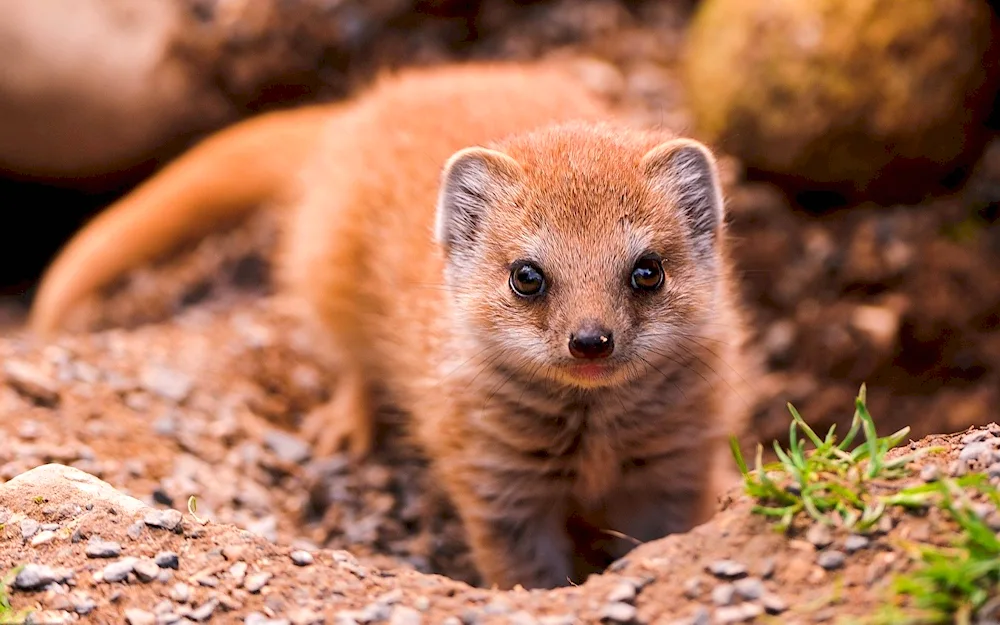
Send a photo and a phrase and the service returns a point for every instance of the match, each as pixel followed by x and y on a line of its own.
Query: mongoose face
pixel 584 256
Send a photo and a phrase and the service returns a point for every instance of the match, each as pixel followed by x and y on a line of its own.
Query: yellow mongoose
pixel 548 296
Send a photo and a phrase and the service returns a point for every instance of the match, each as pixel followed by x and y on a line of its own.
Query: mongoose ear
pixel 685 171
pixel 473 180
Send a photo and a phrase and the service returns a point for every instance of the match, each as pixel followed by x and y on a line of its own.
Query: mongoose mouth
pixel 591 372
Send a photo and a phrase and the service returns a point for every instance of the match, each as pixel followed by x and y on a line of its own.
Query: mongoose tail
pixel 220 179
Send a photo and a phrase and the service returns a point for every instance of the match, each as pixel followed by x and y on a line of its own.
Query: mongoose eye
pixel 526 279
pixel 647 275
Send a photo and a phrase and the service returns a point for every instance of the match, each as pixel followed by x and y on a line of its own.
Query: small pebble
pixel 164 519
pixel 43 537
pixel 118 571
pixel 819 535
pixel 301 558
pixel 181 593
pixel 166 383
pixel 204 611
pixel 134 531
pixel 727 569
pixel 930 473
pixel 557 619
pixel 29 527
pixel 980 451
pixel 99 548
pixel 773 604
pixel 287 447
pixel 723 594
pixel 993 470
pixel 856 542
pixel 974 437
pixel 135 616
pixel 693 587
pixel 49 527
pixel 738 613
pixel 618 613
pixel 622 592
pixel 146 570
pixel 82 604
pixel 256 618
pixel 831 560
pixel 256 581
pixel 167 560
pixel 29 380
pixel 239 572
pixel 38 576
pixel 749 588
pixel 402 615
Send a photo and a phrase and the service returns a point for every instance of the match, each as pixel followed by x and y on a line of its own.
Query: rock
pixel 63 480
pixel 146 570
pixel 402 615
pixel 29 527
pixel 287 447
pixel 980 451
pixel 855 542
pixel 622 592
pixel 41 538
pixel 930 473
pixel 820 96
pixel 256 618
pixel 831 560
pixel 82 603
pixel 164 519
pixel 819 535
pixel 738 613
pixel 618 613
pixel 749 588
pixel 879 323
pixel 98 548
pixel 773 604
pixel 301 558
pixel 727 569
pixel 975 436
pixel 166 383
pixel 28 379
pixel 723 594
pixel 135 616
pixel 204 611
pixel 167 560
pixel 256 581
pixel 119 571
pixel 38 576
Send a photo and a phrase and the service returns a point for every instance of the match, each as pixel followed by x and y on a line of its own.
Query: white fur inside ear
pixel 685 171
pixel 472 181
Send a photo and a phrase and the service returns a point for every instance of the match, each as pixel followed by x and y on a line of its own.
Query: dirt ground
pixel 197 380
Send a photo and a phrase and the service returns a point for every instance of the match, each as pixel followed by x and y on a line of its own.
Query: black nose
pixel 592 342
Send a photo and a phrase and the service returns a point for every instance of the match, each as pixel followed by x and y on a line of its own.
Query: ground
pixel 203 398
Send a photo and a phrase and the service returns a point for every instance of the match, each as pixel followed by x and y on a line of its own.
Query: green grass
pixel 836 484
pixel 831 482
pixel 950 584
pixel 7 614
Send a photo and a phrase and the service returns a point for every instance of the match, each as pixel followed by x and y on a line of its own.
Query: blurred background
pixel 859 142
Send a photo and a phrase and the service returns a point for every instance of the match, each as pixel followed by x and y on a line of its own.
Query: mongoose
pixel 545 293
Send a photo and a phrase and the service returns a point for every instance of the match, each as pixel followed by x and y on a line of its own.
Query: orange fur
pixel 406 272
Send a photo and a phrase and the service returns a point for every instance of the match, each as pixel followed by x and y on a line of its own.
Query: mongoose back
pixel 546 294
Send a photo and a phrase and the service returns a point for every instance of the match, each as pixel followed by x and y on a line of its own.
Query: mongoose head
pixel 585 254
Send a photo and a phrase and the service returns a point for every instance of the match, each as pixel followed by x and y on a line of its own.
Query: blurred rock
pixel 90 86
pixel 868 98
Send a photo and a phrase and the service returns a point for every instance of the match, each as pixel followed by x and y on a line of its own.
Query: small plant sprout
pixel 832 483
pixel 193 510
